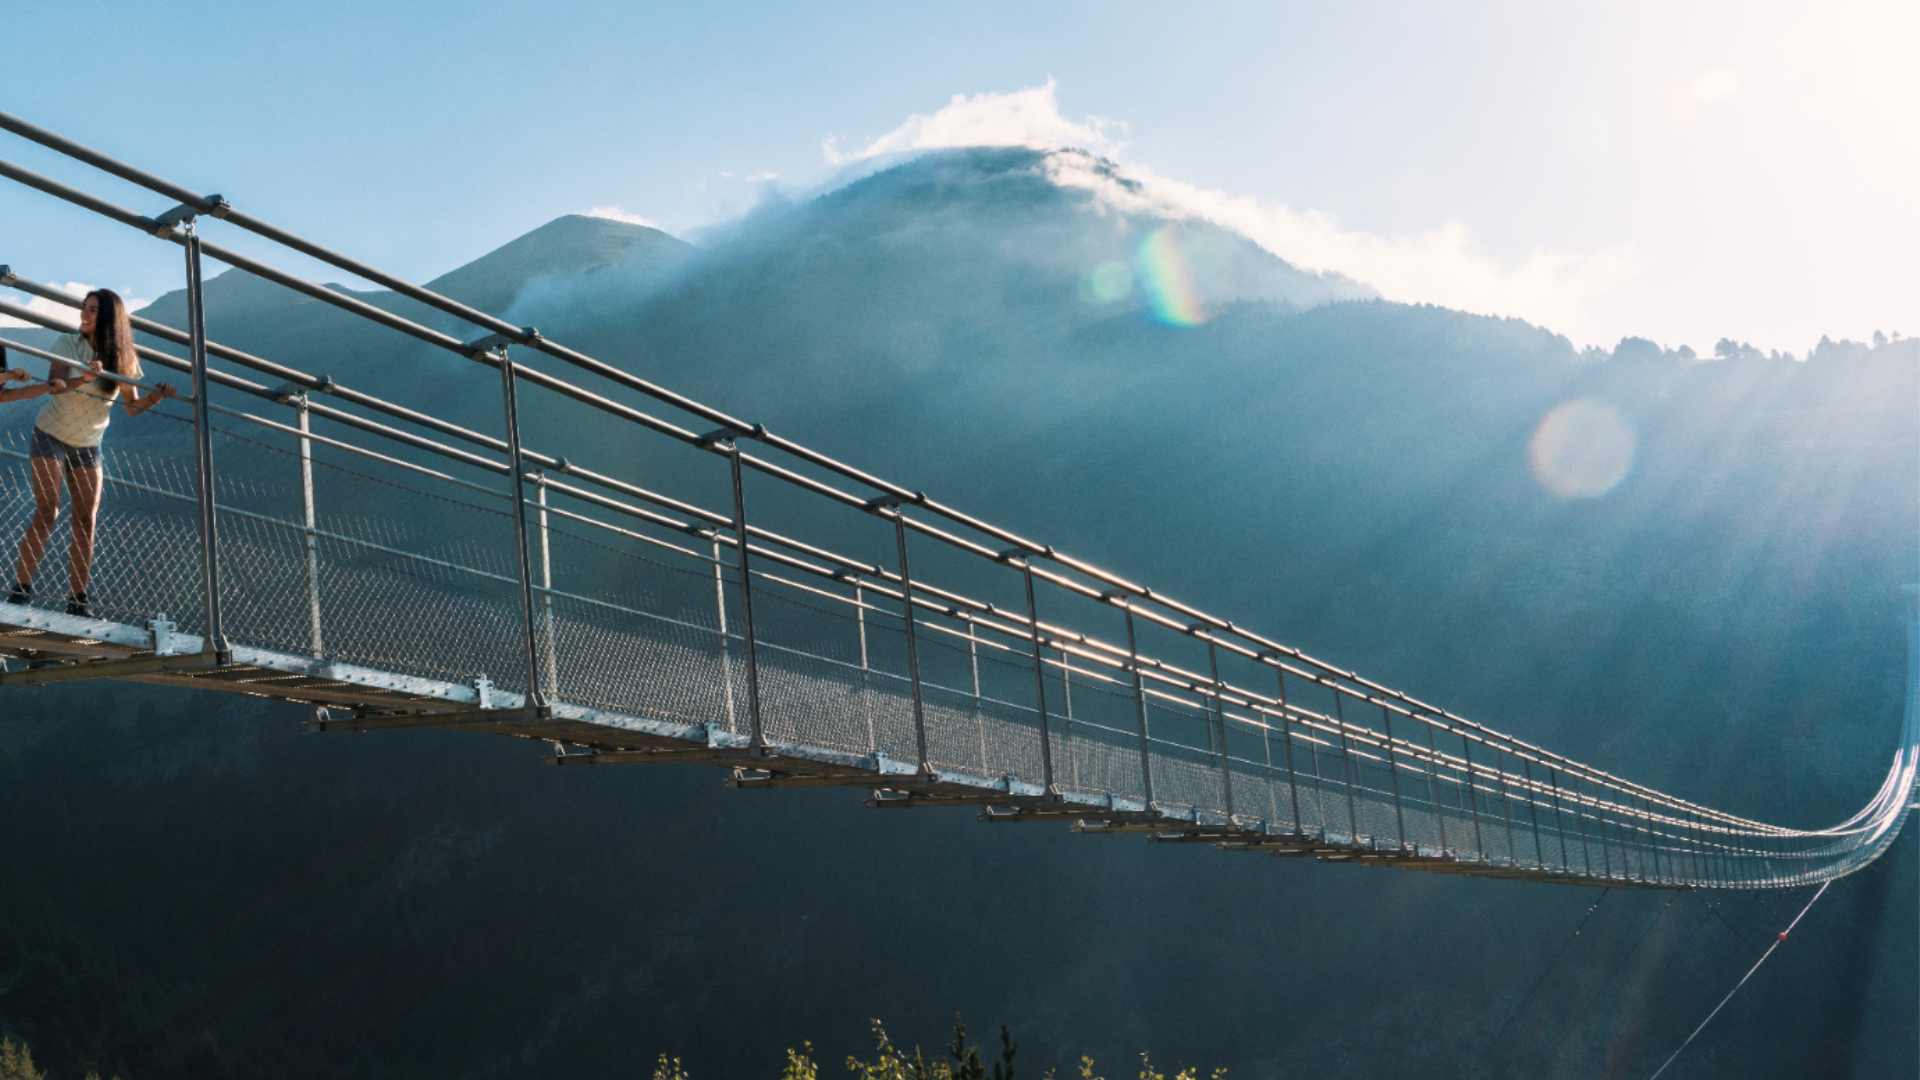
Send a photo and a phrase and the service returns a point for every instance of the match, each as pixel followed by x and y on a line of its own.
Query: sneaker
pixel 78 604
pixel 20 594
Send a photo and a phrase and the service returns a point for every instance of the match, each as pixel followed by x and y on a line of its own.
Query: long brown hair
pixel 112 337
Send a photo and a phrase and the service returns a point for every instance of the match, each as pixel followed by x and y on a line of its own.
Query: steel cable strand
pixel 1545 973
pixel 1777 942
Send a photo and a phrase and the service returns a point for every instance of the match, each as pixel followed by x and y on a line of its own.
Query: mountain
pixel 1716 610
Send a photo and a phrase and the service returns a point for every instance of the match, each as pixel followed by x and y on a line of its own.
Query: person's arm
pixel 19 393
pixel 62 379
pixel 137 404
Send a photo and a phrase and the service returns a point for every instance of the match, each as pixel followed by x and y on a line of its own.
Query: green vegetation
pixel 890 1061
pixel 16 1063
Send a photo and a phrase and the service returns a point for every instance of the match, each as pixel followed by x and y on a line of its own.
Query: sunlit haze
pixel 1680 173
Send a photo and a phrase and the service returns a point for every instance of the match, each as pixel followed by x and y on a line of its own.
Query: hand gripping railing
pixel 1655 836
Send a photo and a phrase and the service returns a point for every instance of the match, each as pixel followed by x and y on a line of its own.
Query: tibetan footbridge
pixel 395 567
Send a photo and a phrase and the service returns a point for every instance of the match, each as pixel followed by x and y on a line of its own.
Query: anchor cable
pixel 1777 942
pixel 1527 997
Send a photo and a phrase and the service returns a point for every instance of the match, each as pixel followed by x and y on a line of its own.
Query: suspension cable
pixel 1777 942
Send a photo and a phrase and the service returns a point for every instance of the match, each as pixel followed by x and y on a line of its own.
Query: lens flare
pixel 1581 450
pixel 1168 280
pixel 1107 283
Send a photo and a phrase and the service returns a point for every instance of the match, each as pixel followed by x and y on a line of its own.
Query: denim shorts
pixel 76 457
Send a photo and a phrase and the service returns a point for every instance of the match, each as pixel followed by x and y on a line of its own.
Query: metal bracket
pixel 482 692
pixel 162 629
pixel 892 502
pixel 184 214
pixel 494 345
pixel 730 435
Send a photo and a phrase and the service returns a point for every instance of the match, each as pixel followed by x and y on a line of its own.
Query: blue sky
pixel 1745 170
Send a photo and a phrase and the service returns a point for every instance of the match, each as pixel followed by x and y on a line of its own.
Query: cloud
pixel 1714 85
pixel 1029 117
pixel 1443 264
pixel 615 213
pixel 59 312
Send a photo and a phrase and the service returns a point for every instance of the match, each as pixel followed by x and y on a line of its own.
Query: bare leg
pixel 83 491
pixel 45 476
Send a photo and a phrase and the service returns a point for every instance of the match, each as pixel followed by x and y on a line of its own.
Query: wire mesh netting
pixel 328 554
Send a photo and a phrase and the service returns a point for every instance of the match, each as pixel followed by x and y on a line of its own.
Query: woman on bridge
pixel 67 435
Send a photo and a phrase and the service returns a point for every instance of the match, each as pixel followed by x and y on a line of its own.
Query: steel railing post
pixel 1620 834
pixel 1066 705
pixel 726 645
pixel 1506 802
pixel 309 522
pixel 1433 794
pixel 757 738
pixel 1286 735
pixel 216 638
pixel 509 396
pixel 1220 726
pixel 1039 683
pixel 1533 812
pixel 1393 775
pixel 1353 773
pixel 1266 758
pixel 1694 849
pixel 1559 820
pixel 979 710
pixel 551 653
pixel 1600 819
pixel 1653 842
pixel 913 647
pixel 866 671
pixel 1140 706
pixel 1714 853
pixel 1473 799
pixel 1580 822
pixel 1685 854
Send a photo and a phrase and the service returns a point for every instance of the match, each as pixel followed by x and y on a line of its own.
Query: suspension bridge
pixel 622 624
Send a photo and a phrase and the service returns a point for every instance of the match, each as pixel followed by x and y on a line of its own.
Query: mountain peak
pixel 569 244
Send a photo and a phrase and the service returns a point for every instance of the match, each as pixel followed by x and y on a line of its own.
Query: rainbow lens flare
pixel 1167 279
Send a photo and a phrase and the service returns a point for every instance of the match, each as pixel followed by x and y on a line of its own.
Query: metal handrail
pixel 1127 596
pixel 1251 646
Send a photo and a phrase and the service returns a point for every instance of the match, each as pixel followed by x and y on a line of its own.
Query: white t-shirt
pixel 79 416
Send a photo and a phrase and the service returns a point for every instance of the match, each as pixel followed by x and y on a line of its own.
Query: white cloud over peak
pixel 1443 264
pixel 59 312
pixel 1714 84
pixel 1029 117
pixel 615 213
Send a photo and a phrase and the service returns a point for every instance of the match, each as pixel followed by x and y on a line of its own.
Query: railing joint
pixel 493 345
pixel 184 213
